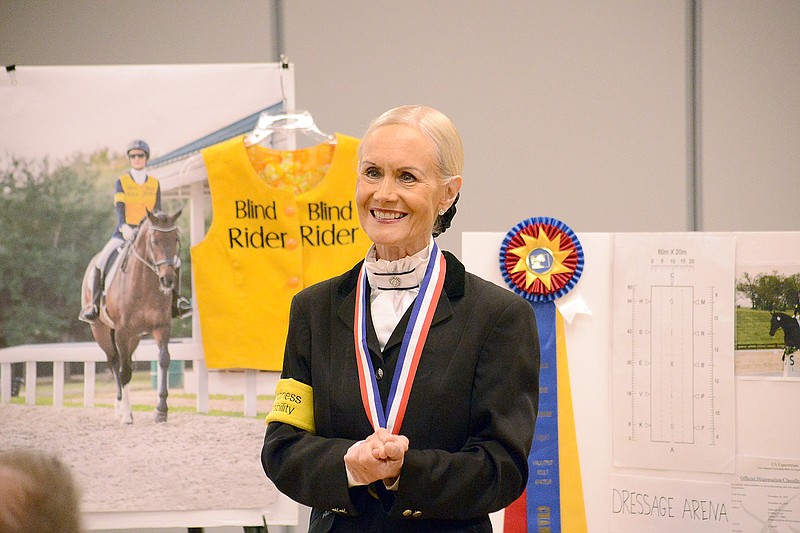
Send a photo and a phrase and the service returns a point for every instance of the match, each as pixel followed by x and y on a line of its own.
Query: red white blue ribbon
pixel 414 338
pixel 541 259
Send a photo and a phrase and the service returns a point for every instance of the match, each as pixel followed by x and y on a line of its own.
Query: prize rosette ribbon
pixel 541 259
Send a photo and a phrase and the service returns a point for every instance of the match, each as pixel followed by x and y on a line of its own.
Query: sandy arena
pixel 191 462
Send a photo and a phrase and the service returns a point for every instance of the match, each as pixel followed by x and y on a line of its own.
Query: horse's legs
pixel 118 398
pixel 125 344
pixel 113 362
pixel 106 338
pixel 162 339
pixel 125 413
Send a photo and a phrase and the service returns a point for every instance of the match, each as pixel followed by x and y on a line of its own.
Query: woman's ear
pixel 451 190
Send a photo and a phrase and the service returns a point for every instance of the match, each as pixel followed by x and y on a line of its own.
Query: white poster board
pixel 764 401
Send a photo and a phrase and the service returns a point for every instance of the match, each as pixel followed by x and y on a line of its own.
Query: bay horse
pixel 138 301
pixel 791 332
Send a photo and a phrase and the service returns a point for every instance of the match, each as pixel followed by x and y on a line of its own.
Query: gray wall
pixel 584 111
pixel 750 101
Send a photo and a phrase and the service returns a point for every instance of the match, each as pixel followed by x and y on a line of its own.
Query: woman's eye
pixel 372 173
pixel 405 177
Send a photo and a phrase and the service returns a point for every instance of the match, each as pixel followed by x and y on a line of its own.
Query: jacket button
pixel 290 210
pixel 379 373
pixel 293 281
pixel 291 243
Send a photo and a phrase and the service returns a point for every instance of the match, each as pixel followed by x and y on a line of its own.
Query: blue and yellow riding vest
pixel 136 198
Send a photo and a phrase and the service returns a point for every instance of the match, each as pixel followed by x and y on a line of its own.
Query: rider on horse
pixel 134 194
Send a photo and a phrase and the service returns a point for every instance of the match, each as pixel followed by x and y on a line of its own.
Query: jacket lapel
pixel 346 291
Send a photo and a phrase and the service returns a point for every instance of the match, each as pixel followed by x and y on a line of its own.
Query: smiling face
pixel 399 190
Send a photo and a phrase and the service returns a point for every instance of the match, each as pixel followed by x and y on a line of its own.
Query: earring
pixel 441 212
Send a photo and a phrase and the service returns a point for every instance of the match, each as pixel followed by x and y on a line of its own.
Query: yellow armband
pixel 294 405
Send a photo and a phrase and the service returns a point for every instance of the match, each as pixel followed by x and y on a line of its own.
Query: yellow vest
pixel 264 245
pixel 137 197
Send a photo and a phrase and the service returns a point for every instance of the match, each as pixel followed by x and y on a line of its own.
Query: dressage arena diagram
pixel 673 362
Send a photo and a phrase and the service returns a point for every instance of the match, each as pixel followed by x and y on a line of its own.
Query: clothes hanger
pixel 296 121
pixel 286 123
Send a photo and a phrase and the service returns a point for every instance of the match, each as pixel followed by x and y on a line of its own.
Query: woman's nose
pixel 386 188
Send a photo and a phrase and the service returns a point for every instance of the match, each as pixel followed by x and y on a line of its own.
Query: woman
pixel 409 389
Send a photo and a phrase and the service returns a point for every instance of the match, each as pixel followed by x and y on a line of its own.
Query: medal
pixel 414 338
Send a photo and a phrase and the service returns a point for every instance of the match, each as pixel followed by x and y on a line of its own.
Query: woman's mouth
pixel 387 215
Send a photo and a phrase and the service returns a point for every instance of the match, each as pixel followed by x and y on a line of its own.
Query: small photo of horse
pixel 791 334
pixel 767 327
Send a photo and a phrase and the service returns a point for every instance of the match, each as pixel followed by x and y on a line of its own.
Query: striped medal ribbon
pixel 410 350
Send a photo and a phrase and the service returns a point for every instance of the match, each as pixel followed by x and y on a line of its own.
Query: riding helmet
pixel 139 144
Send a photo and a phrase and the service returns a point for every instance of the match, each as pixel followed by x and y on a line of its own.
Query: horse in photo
pixel 138 301
pixel 791 332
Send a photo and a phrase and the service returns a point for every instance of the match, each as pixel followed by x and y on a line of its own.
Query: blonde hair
pixel 434 125
pixel 37 493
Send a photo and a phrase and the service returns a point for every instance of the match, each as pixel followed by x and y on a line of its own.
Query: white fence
pixel 89 353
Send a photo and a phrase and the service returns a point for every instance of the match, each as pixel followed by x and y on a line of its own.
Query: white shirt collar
pixel 139 176
pixel 405 273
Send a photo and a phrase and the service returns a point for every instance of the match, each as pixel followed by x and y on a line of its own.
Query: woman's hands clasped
pixel 378 457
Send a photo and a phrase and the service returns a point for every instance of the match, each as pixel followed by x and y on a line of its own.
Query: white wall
pixel 577 110
pixel 110 32
pixel 750 123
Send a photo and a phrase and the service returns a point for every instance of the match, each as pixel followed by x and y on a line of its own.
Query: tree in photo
pixel 53 218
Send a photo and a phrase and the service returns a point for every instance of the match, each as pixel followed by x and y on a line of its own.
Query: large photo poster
pixel 66 137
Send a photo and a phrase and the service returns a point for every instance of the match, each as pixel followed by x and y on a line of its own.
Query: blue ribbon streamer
pixel 544 488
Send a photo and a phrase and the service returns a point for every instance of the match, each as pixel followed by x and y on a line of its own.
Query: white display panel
pixel 763 402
